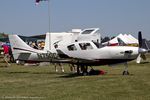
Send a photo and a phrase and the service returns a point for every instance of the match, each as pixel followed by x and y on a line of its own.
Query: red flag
pixel 38 1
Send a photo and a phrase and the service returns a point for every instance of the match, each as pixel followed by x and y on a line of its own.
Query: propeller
pixel 142 51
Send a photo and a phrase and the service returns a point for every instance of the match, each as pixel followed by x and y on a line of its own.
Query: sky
pixel 23 17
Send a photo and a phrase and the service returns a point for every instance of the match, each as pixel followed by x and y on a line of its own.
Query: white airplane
pixel 86 53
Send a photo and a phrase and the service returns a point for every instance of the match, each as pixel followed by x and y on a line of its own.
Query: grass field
pixel 42 83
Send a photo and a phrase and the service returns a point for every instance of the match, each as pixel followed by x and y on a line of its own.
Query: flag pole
pixel 49 24
pixel 49 15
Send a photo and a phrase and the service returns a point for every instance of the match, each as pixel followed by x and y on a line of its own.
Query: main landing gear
pixel 125 72
pixel 82 70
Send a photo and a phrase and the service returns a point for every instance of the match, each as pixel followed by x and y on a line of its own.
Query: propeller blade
pixel 140 39
pixel 138 60
pixel 141 50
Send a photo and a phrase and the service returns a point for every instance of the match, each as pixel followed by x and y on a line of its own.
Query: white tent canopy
pixel 126 38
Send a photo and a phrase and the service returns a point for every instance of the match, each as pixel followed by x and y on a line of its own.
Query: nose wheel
pixel 125 72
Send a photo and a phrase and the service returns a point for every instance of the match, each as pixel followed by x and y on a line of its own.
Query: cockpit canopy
pixel 82 46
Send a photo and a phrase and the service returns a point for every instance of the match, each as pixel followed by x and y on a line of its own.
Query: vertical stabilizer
pixel 18 46
pixel 17 42
pixel 47 46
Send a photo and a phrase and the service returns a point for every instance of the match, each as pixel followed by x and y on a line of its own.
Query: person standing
pixel 6 53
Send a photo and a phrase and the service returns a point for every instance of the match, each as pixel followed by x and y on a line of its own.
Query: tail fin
pixel 17 42
pixel 47 46
pixel 120 42
pixel 18 47
pixel 49 43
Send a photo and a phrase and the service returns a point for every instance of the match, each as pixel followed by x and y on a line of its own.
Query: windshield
pixel 87 31
pixel 85 46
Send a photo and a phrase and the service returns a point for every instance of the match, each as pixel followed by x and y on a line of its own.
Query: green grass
pixel 42 83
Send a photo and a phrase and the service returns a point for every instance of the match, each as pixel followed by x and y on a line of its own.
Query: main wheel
pixel 84 70
pixel 84 73
pixel 125 73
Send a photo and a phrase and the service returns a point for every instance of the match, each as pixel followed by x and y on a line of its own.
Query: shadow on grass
pixel 70 75
pixel 26 72
pixel 3 66
pixel 17 72
pixel 119 75
pixel 145 62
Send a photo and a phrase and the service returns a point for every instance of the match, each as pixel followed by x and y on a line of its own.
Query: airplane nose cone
pixel 142 50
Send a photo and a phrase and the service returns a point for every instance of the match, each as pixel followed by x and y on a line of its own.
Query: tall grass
pixel 43 83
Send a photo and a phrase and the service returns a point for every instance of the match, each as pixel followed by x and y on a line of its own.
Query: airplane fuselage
pixel 92 55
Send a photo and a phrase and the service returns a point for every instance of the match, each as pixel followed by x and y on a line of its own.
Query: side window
pixel 72 47
pixel 85 46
